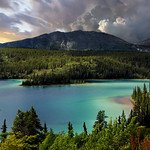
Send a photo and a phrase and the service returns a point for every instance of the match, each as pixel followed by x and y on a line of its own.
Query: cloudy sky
pixel 127 19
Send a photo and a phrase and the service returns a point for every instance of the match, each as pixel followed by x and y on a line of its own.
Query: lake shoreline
pixel 80 82
pixel 123 101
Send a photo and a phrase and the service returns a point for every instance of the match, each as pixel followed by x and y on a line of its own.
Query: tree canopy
pixel 27 123
pixel 43 67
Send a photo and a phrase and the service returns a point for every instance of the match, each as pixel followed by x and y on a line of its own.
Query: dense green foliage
pixel 141 102
pixel 42 67
pixel 53 67
pixel 27 123
pixel 120 134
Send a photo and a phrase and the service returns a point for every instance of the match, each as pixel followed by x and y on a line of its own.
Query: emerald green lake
pixel 57 105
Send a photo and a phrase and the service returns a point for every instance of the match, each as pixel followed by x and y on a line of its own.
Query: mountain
pixel 146 42
pixel 76 40
pixel 144 45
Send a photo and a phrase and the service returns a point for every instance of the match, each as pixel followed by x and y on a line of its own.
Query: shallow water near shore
pixel 57 105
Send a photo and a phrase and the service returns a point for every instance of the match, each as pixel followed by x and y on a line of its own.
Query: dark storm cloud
pixel 31 20
pixel 4 4
pixel 60 13
pixel 6 22
pixel 128 19
pixel 109 14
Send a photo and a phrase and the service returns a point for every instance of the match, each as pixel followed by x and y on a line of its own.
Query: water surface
pixel 57 105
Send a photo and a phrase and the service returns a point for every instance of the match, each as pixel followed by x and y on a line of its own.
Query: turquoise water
pixel 57 105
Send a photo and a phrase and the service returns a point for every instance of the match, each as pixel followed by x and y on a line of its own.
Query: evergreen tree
pixel 119 120
pixel 4 130
pixel 27 123
pixel 34 124
pixel 130 117
pixel 19 123
pixel 145 89
pixel 142 106
pixel 45 128
pixel 70 130
pixel 134 93
pixel 85 128
pixel 100 119
pixel 51 132
pixel 123 116
pixel 48 141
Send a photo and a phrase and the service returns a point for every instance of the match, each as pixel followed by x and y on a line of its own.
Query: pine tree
pixel 123 120
pixel 119 120
pixel 70 130
pixel 134 95
pixel 145 89
pixel 27 123
pixel 130 117
pixel 123 116
pixel 100 119
pixel 4 130
pixel 139 94
pixel 85 128
pixel 19 123
pixel 141 106
pixel 33 122
pixel 45 128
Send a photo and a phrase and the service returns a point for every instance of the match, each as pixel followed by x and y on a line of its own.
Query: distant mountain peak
pixel 75 40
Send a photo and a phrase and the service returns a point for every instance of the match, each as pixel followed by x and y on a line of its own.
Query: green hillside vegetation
pixel 141 99
pixel 132 133
pixel 45 67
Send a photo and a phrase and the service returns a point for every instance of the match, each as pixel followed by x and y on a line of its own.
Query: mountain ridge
pixel 146 42
pixel 75 40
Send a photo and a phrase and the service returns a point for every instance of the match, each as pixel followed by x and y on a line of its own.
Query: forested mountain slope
pixel 60 67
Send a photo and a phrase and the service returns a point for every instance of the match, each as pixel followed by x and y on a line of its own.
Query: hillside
pixel 77 40
pixel 42 67
pixel 146 42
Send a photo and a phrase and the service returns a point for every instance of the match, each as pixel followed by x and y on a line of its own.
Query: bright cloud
pixel 103 25
pixel 120 21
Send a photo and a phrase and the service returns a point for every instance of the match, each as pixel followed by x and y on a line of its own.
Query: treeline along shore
pixel 47 67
